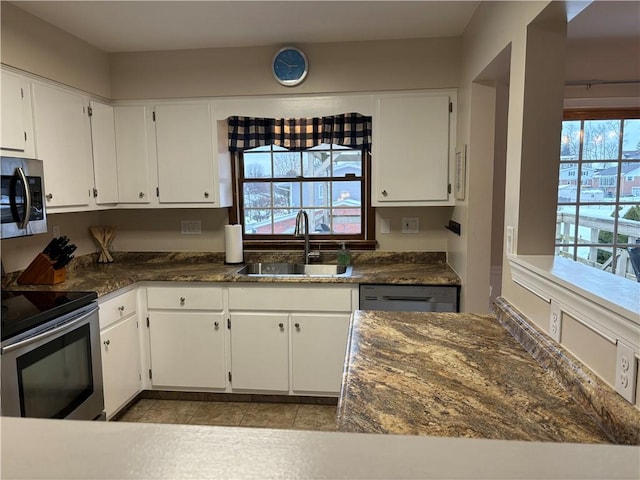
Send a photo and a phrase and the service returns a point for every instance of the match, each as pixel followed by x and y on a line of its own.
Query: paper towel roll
pixel 233 243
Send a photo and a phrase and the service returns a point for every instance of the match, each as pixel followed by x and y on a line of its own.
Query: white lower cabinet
pixel 289 338
pixel 318 347
pixel 187 349
pixel 186 337
pixel 120 350
pixel 260 351
pixel 120 364
pixel 248 338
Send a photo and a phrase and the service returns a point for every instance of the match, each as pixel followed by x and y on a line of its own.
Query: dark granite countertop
pixel 452 375
pixel 86 275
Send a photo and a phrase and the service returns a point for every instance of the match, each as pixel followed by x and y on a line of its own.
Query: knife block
pixel 41 272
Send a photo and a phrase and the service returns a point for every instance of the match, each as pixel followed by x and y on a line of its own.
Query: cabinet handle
pixel 182 300
pixel 206 194
pixel 297 325
pixel 121 308
pixel 49 196
pixel 281 325
pixel 141 195
pixel 384 193
pixel 107 342
pixel 216 324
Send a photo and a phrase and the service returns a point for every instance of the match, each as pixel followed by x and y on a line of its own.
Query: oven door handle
pixel 27 198
pixel 55 331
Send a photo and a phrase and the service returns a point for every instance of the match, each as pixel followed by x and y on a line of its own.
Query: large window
pixel 328 181
pixel 598 216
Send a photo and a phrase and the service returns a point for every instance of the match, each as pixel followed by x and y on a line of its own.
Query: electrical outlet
pixel 410 224
pixel 626 372
pixel 190 227
pixel 555 321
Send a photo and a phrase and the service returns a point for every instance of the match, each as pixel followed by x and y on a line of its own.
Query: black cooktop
pixel 25 310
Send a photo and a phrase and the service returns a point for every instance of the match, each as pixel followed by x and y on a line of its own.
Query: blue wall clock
pixel 290 66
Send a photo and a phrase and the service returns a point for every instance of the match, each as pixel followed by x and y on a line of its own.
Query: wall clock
pixel 290 66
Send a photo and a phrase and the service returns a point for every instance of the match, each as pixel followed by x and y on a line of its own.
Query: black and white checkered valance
pixel 348 129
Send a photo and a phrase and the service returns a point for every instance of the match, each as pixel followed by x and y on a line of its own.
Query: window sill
pixel 607 304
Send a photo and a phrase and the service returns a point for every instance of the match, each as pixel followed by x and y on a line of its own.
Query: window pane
pixel 319 221
pixel 630 182
pixel 257 165
pixel 286 164
pixel 570 140
pixel 600 182
pixel 347 220
pixel 347 194
pixel 316 164
pixel 601 140
pixel 348 162
pixel 595 225
pixel 284 221
pixel 631 140
pixel 315 194
pixel 629 224
pixel 257 195
pixel 567 183
pixel 286 194
pixel 257 222
pixel 566 225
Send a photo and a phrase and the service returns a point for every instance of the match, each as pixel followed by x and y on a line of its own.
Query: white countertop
pixel 33 448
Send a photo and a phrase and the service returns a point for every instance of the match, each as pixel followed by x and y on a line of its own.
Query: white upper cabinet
pixel 16 134
pixel 63 143
pixel 187 168
pixel 414 142
pixel 103 141
pixel 133 153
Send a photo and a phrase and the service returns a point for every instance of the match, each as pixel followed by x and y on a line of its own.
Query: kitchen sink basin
pixel 295 269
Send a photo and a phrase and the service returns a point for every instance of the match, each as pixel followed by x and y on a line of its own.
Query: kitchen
pixel 459 61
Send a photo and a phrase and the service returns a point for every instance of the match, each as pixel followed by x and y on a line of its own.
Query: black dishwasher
pixel 409 298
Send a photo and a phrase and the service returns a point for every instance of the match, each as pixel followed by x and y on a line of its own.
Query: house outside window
pixel 598 219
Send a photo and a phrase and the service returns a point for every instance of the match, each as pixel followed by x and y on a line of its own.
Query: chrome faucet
pixel 302 214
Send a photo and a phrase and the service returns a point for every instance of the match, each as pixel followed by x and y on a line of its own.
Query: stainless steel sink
pixel 296 269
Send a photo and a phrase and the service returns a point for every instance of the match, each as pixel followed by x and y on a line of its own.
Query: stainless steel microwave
pixel 22 207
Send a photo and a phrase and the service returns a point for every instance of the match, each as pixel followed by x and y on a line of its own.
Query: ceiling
pixel 120 26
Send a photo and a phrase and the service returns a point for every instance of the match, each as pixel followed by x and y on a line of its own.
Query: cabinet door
pixel 132 154
pixel 260 351
pixel 187 349
pixel 103 142
pixel 318 347
pixel 412 145
pixel 63 143
pixel 184 138
pixel 13 131
pixel 120 364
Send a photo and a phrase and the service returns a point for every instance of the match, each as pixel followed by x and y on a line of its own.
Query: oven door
pixel 56 373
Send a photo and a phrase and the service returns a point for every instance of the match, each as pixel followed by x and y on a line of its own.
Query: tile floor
pixel 247 414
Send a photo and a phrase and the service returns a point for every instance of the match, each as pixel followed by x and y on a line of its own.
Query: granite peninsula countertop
pixel 452 375
pixel 417 268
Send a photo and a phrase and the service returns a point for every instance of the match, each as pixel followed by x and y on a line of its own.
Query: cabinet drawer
pixel 185 298
pixel 299 299
pixel 117 308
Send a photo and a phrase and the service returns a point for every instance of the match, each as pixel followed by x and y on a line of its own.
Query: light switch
pixel 385 225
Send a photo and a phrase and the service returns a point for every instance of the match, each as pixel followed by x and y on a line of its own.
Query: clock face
pixel 290 66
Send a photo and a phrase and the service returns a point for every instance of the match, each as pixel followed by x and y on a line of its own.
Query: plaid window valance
pixel 349 129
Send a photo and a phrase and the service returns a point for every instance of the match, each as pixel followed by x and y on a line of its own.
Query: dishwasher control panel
pixel 409 298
